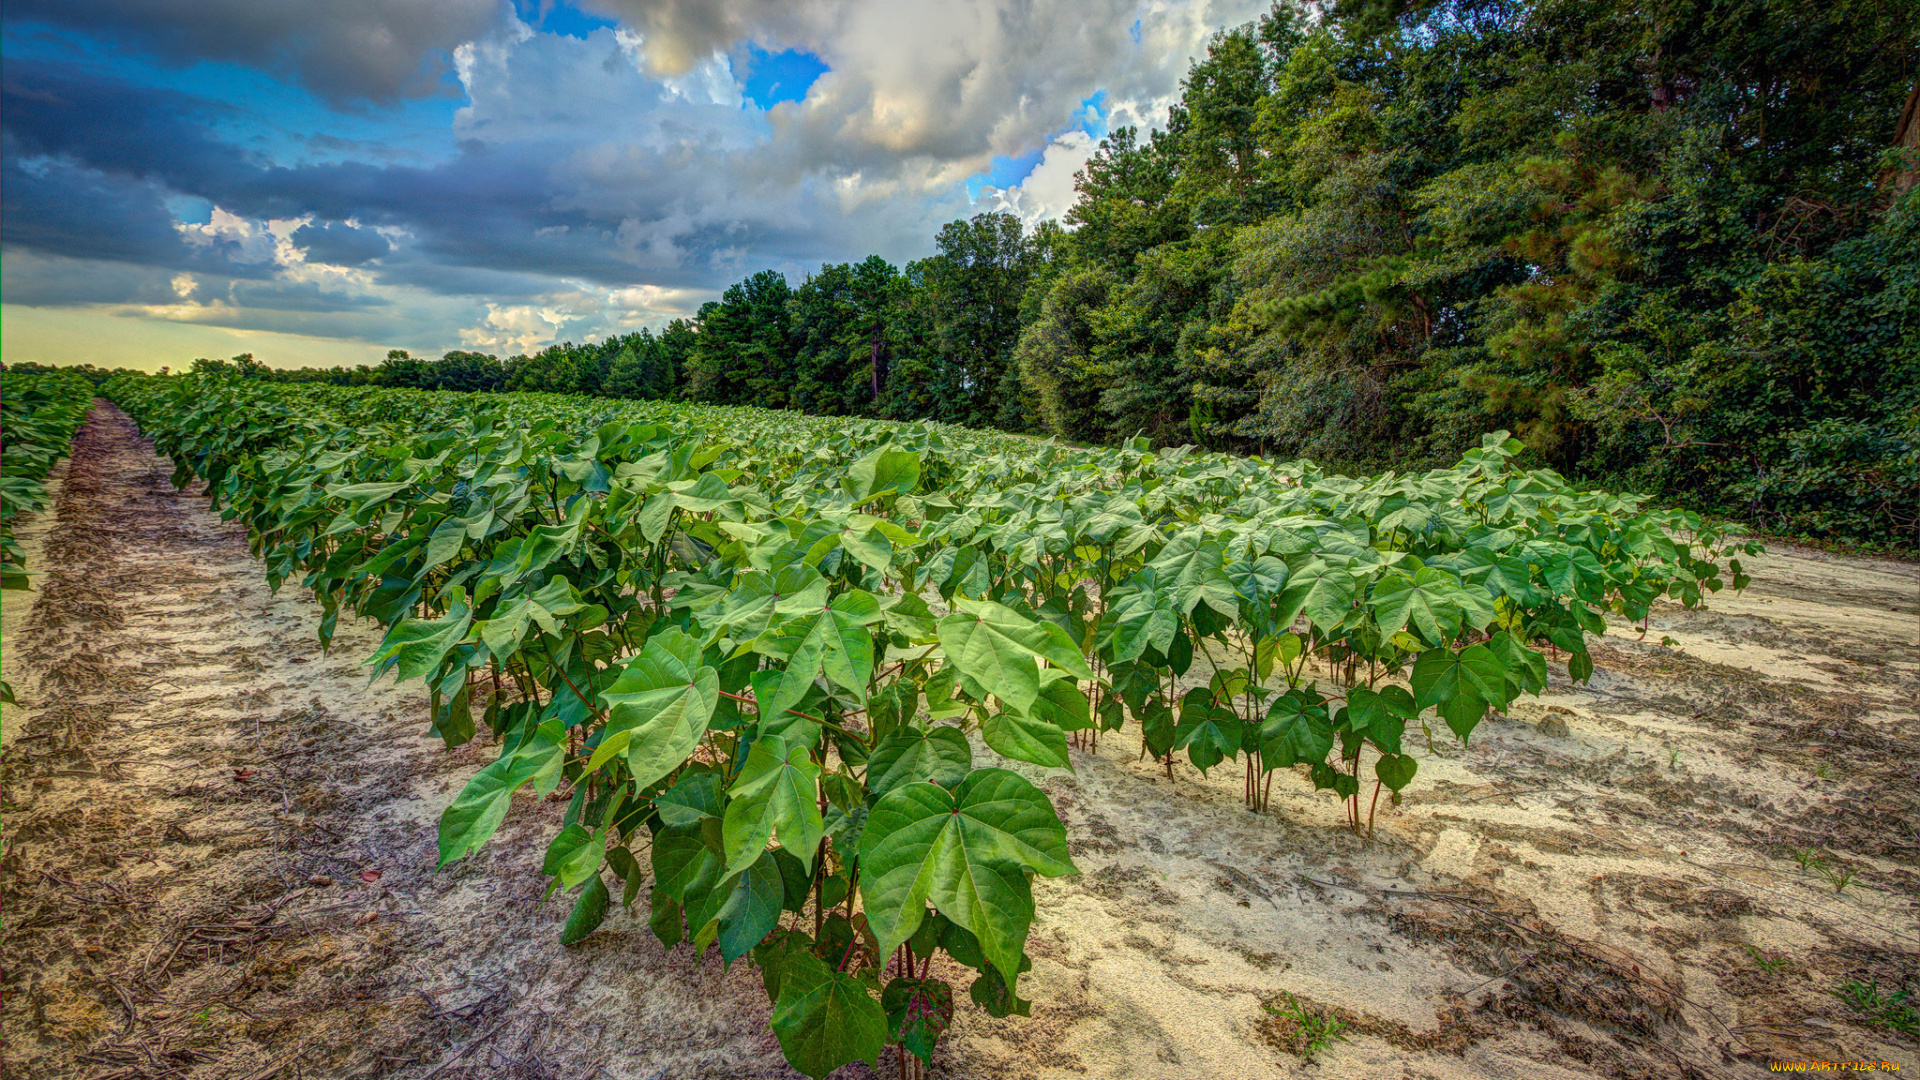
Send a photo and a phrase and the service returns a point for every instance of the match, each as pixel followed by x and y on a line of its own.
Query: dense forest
pixel 1673 247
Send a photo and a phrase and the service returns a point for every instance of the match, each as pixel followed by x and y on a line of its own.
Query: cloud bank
pixel 585 179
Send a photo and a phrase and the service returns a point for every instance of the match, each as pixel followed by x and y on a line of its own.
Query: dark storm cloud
pixel 299 296
pixel 342 50
pixel 89 159
pixel 58 282
pixel 62 208
pixel 340 244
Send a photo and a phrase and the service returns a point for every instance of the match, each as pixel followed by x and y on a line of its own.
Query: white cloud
pixel 1047 191
pixel 621 179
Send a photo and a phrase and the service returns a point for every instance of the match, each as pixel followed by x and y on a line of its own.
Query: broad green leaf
pixel 777 792
pixel 684 863
pixel 1426 601
pixel 831 641
pixel 694 796
pixel 1380 716
pixel 658 708
pixel 967 852
pixel 750 902
pixel 1395 770
pixel 1063 704
pixel 1297 730
pixel 574 854
pixel 910 755
pixel 1207 732
pixel 825 1019
pixel 414 648
pixel 1323 591
pixel 480 807
pixel 1463 685
pixel 998 648
pixel 1026 738
pixel 885 471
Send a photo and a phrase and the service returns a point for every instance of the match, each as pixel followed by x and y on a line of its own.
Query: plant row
pixel 762 652
pixel 38 415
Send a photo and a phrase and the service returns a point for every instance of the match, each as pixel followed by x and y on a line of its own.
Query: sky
pixel 319 183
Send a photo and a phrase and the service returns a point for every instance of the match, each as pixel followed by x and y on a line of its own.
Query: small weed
pixel 1820 771
pixel 1892 1011
pixel 1768 964
pixel 1668 643
pixel 1812 862
pixel 1673 760
pixel 1305 1030
pixel 203 1018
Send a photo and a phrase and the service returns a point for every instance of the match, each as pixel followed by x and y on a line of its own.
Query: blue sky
pixel 319 183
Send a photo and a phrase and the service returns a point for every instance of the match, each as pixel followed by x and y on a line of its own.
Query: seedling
pixel 1891 1011
pixel 1306 1031
pixel 1768 964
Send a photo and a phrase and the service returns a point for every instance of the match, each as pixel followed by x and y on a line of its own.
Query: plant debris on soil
pixel 219 854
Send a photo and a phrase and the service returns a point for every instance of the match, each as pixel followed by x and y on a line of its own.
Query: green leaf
pixel 1395 770
pixel 1324 592
pixel 918 1012
pixel 751 902
pixel 1381 716
pixel 574 854
pixel 885 471
pixel 694 796
pixel 825 1019
pixel 1463 685
pixel 967 852
pixel 910 755
pixel 1297 730
pixel 684 864
pixel 1426 601
pixel 1026 738
pixel 1192 570
pixel 1526 669
pixel 831 641
pixel 1063 704
pixel 1207 732
pixel 658 708
pixel 588 912
pixel 777 791
pixel 998 647
pixel 414 648
pixel 480 807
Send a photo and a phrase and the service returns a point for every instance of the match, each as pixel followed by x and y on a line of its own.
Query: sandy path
pixel 1600 886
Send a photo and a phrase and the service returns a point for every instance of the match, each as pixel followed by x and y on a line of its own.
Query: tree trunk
pixel 1901 179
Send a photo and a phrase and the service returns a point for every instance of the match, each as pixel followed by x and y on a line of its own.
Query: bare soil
pixel 218 860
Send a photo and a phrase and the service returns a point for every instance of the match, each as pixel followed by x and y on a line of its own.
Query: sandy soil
pixel 219 851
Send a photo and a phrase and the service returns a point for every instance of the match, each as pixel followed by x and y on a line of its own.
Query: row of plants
pixel 772 657
pixel 39 413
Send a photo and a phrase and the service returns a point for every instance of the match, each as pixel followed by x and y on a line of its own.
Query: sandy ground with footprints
pixel 219 846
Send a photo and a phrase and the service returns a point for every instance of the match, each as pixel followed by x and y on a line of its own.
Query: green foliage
pixel 39 410
pixel 1305 1030
pixel 767 647
pixel 1879 1009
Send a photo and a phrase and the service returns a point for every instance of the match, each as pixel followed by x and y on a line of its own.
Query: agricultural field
pixel 712 742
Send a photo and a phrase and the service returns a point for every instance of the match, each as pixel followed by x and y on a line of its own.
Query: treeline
pixel 934 341
pixel 1674 248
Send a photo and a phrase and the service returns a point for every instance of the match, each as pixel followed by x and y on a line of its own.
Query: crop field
pixel 369 732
